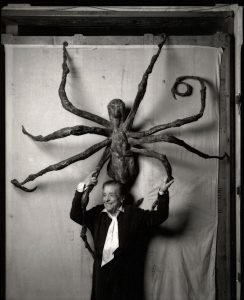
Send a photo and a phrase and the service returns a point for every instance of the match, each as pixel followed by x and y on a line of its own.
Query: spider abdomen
pixel 123 169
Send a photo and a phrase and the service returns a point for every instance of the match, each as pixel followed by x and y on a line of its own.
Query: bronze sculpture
pixel 122 143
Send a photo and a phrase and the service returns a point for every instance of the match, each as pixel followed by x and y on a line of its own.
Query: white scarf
pixel 112 239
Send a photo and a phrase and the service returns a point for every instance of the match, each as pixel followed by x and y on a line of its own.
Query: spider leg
pixel 178 122
pixel 174 140
pixel 104 158
pixel 85 198
pixel 61 165
pixel 67 131
pixel 65 101
pixel 160 156
pixel 142 87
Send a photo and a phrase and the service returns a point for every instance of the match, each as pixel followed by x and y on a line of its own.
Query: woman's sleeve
pixel 77 215
pixel 158 216
pixel 76 210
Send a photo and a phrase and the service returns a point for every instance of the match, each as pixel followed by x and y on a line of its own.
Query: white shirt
pixel 112 238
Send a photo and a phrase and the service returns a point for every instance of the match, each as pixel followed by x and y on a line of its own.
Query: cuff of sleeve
pixel 163 192
pixel 81 187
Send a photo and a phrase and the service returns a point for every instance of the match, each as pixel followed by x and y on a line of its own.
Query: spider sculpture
pixel 122 143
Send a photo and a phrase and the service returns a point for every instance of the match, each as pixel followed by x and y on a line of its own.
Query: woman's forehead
pixel 111 188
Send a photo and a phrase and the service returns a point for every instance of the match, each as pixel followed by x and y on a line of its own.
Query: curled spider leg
pixel 67 131
pixel 162 158
pixel 65 101
pixel 179 122
pixel 61 165
pixel 142 87
pixel 85 198
pixel 174 140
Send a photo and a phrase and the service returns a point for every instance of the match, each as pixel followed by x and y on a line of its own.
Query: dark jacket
pixel 122 277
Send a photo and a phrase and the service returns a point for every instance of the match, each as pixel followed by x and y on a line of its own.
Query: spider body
pixel 123 145
pixel 122 165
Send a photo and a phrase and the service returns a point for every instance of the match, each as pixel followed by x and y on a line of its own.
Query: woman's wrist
pixel 81 187
pixel 161 192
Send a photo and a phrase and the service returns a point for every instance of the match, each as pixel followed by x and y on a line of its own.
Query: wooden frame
pixel 135 23
pixel 226 209
pixel 112 20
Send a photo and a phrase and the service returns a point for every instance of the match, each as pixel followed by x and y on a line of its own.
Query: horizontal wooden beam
pixel 217 40
pixel 93 18
pixel 111 14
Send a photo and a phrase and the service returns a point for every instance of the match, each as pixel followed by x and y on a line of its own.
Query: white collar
pixel 120 209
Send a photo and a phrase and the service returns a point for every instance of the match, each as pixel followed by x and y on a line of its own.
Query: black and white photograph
pixel 122 129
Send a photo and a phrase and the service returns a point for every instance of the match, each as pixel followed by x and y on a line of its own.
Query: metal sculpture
pixel 122 144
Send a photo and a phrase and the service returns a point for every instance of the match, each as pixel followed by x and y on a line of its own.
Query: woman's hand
pixel 165 185
pixel 91 179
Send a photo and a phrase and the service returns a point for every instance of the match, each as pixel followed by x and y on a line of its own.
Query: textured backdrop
pixel 45 256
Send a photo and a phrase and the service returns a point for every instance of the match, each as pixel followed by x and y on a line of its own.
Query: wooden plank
pixel 239 136
pixel 107 12
pixel 107 20
pixel 153 24
pixel 12 29
pixel 217 40
pixel 224 267
pixel 231 254
pixel 221 268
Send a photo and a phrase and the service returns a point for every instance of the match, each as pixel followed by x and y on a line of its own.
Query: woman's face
pixel 112 198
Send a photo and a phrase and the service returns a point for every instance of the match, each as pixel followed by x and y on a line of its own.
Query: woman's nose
pixel 106 198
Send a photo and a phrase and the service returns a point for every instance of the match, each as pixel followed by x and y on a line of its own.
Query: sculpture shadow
pixel 141 245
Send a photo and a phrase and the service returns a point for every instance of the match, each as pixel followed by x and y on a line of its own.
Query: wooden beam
pixel 103 18
pixel 12 29
pixel 217 40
